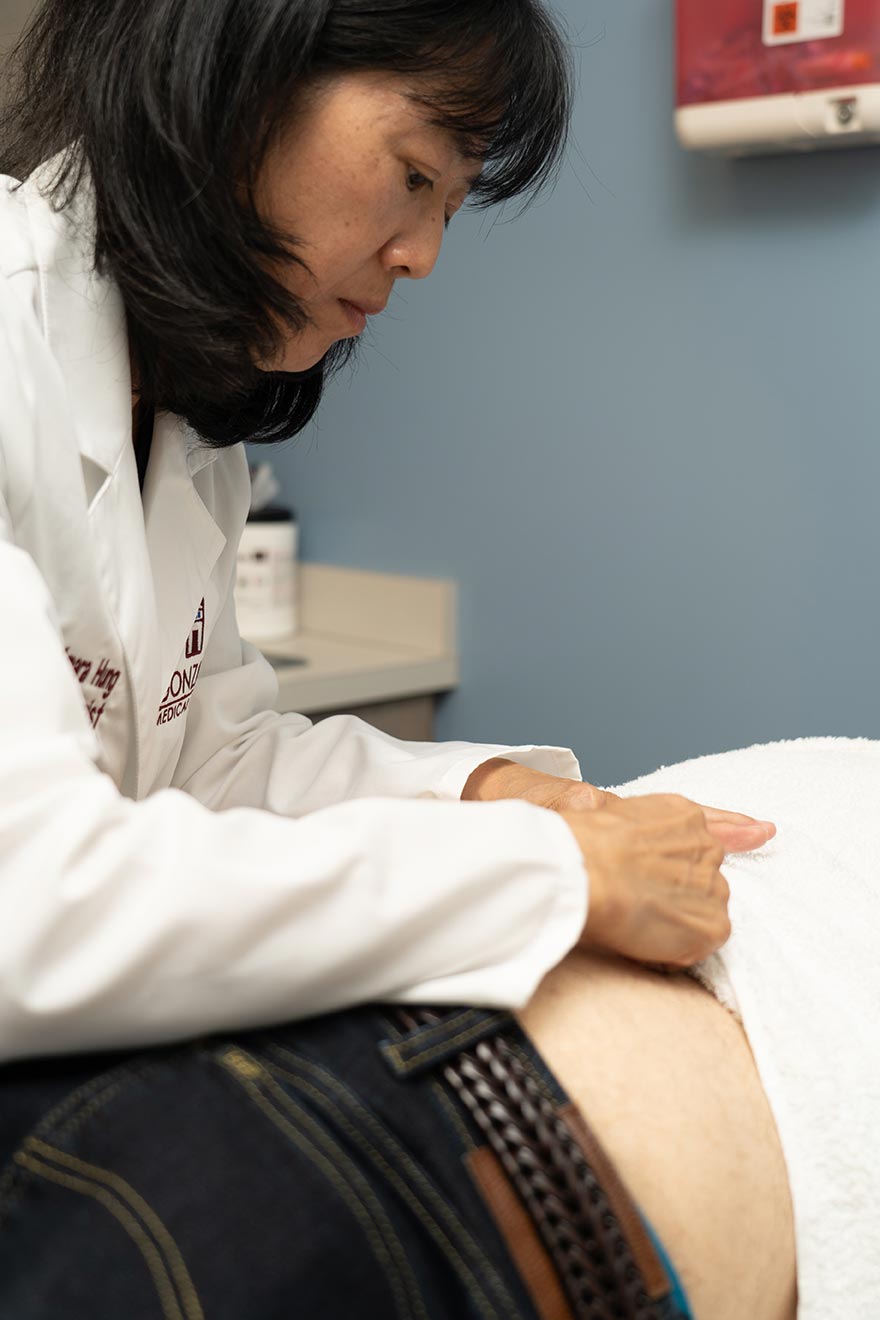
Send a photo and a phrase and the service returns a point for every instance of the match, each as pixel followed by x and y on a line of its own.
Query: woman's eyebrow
pixel 470 179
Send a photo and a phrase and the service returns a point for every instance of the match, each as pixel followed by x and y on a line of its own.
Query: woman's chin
pixel 292 365
pixel 295 363
pixel 296 358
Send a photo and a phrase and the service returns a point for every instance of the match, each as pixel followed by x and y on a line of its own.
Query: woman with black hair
pixel 204 201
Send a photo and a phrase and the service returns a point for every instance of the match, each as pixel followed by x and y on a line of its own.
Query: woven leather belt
pixel 591 1229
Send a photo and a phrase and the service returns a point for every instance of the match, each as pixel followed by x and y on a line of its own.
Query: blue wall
pixel 639 426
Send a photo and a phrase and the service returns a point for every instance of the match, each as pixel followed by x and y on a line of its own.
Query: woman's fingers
pixel 731 817
pixel 656 893
pixel 737 832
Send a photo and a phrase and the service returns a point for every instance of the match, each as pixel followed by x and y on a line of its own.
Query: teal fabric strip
pixel 679 1306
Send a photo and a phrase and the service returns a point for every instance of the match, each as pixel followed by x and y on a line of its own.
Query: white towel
pixel 802 973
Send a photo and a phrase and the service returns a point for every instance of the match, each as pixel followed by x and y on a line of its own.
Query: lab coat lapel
pixel 183 540
pixel 84 323
pixel 153 558
pixel 125 577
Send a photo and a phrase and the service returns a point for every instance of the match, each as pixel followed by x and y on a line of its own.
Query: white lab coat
pixel 175 856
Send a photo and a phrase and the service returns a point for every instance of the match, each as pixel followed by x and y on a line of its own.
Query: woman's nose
pixel 413 255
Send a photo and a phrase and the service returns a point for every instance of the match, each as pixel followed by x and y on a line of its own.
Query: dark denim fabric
pixel 312 1170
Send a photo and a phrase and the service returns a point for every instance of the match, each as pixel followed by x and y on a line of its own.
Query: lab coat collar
pixel 198 454
pixel 85 325
pixel 83 320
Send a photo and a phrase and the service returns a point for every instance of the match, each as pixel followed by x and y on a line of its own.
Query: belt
pixel 585 1217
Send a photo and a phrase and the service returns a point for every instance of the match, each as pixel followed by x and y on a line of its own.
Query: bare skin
pixel 365 183
pixel 661 1072
pixel 665 1077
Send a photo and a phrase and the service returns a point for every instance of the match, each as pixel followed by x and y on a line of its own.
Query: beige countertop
pixel 365 637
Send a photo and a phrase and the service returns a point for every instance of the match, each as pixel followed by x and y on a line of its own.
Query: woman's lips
pixel 357 313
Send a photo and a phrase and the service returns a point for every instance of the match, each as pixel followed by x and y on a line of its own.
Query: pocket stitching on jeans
pixel 138 1205
pixel 415 1171
pixel 90 1096
pixel 448 1247
pixel 369 1206
pixel 121 1213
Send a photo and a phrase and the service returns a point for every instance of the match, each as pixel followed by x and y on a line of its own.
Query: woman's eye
pixel 415 181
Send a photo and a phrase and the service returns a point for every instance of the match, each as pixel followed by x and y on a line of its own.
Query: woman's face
pixel 366 185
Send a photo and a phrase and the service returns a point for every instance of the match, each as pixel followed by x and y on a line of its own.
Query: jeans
pixel 311 1170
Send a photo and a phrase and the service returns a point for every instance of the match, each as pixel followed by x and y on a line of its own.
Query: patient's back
pixel 664 1075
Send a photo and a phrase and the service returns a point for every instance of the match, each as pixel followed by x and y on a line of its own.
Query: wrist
pixel 590 835
pixel 491 780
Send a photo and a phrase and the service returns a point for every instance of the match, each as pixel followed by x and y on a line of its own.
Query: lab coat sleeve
pixel 239 751
pixel 131 923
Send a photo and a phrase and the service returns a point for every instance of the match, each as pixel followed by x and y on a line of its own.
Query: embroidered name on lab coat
pixel 102 683
pixel 183 680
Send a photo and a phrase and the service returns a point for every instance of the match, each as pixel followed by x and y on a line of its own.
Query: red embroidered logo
pixel 183 681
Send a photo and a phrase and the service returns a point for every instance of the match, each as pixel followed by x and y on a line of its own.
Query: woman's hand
pixel 498 778
pixel 656 893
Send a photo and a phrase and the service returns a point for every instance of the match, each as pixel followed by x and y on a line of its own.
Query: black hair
pixel 168 108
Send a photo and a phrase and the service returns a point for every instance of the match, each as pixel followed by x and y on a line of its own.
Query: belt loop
pixel 433 1037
